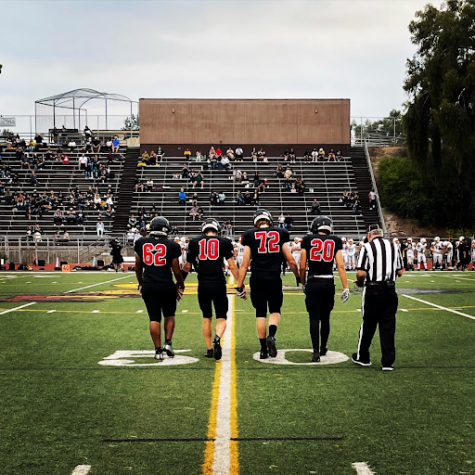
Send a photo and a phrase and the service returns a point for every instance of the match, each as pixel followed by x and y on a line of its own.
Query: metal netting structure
pixel 80 107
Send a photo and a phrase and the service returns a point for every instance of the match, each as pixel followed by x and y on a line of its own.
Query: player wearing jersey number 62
pixel 155 258
pixel 320 249
pixel 208 253
pixel 265 246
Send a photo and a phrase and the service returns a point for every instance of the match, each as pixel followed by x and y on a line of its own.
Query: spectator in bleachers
pixel 261 154
pixel 239 154
pixel 288 172
pixel 199 156
pixel 40 164
pixel 96 145
pixel 213 161
pixel 321 154
pixel 185 172
pixel 254 154
pixel 80 218
pixel 48 154
pixel 338 155
pixel 230 153
pixel 279 171
pixel 292 155
pixel 87 132
pixel 221 198
pixel 289 223
pixel 307 156
pixel 95 166
pixel 138 184
pixel 88 145
pixel 331 155
pixel 356 205
pixel 187 153
pixel 239 198
pixel 33 178
pixel 315 209
pixel 31 145
pixel 29 234
pixel 229 228
pixel 198 179
pixel 237 175
pixel 224 164
pixel 65 237
pixel 25 161
pixel 194 213
pixel 150 185
pixel 97 201
pixel 212 153
pixel 65 159
pixel 219 153
pixel 153 158
pixel 314 155
pixel 247 198
pixel 182 197
pixel 100 228
pixel 39 139
pixel 244 178
pixel 8 197
pixel 54 134
pixel 281 220
pixel 109 204
pixel 72 146
pixel 71 216
pixel 372 199
pixel 146 157
pixel 108 145
pixel 116 144
pixel 82 164
pixel 58 218
pixel 213 198
pixel 300 186
pixel 256 198
pixel 132 222
pixel 160 153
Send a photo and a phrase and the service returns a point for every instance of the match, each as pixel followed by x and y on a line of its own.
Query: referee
pixel 379 264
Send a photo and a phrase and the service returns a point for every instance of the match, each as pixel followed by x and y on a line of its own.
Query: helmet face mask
pixel 159 226
pixel 262 215
pixel 322 224
pixel 210 224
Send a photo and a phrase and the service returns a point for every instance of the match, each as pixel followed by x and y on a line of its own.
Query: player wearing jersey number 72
pixel 155 259
pixel 265 248
pixel 320 249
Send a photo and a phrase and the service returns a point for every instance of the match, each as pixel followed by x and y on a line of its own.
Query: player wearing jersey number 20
pixel 265 247
pixel 320 249
pixel 155 258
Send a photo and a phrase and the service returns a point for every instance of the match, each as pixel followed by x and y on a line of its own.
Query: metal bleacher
pixel 324 181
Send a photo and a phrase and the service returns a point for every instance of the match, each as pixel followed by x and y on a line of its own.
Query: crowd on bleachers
pixel 66 206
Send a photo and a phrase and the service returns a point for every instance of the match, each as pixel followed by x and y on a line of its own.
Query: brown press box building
pixel 273 124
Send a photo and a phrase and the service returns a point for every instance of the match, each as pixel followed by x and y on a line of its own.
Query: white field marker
pixel 139 311
pixel 184 311
pixel 94 285
pixel 439 306
pixel 51 311
pixel 362 468
pixel 16 308
pixel 404 310
pixel 95 311
pixel 81 470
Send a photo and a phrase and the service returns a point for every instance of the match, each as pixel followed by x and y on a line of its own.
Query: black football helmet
pixel 262 214
pixel 322 224
pixel 160 226
pixel 210 224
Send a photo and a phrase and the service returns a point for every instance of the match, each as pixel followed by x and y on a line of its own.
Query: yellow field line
pixel 234 402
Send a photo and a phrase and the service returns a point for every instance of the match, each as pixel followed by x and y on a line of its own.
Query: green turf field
pixel 66 401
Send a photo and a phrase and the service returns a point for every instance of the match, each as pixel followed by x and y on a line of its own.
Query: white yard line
pixel 81 470
pixel 16 308
pixel 362 468
pixel 438 306
pixel 95 285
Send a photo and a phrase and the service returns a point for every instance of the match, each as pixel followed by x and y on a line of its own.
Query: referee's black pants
pixel 378 307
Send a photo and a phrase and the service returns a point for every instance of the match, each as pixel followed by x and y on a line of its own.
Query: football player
pixel 421 253
pixel 449 254
pixel 207 253
pixel 344 252
pixel 319 250
pixel 264 247
pixel 155 259
pixel 473 255
pixel 409 254
pixel 437 249
pixel 351 254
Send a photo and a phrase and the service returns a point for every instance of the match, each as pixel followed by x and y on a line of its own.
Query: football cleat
pixel 316 357
pixel 169 350
pixel 271 346
pixel 158 354
pixel 387 368
pixel 209 353
pixel 323 351
pixel 361 362
pixel 217 351
pixel 264 355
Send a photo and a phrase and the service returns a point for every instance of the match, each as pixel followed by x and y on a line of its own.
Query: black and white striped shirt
pixel 381 259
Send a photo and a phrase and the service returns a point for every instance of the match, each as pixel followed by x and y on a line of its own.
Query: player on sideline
pixel 265 246
pixel 320 249
pixel 208 253
pixel 155 258
pixel 421 253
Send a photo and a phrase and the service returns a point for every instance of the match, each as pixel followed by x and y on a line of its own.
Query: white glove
pixel 345 295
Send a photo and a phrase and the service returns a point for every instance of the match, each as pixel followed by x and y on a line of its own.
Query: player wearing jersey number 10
pixel 155 258
pixel 207 253
pixel 320 249
pixel 265 247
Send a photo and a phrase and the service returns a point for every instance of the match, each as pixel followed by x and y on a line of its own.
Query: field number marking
pixel 127 358
pixel 81 470
pixel 332 357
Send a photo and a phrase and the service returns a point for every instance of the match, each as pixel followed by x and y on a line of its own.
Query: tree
pixel 132 122
pixel 440 119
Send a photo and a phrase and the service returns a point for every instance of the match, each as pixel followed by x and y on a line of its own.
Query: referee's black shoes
pixel 359 361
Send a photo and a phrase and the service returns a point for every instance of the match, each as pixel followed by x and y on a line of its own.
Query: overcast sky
pixel 354 49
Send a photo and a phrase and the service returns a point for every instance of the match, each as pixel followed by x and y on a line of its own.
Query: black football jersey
pixel 321 251
pixel 207 254
pixel 157 255
pixel 266 247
